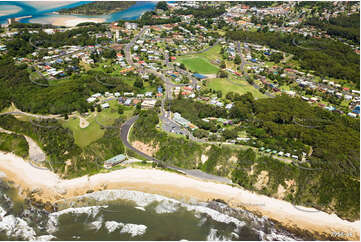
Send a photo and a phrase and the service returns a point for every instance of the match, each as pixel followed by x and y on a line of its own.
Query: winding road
pixel 124 133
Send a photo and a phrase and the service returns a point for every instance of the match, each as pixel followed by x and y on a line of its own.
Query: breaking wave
pixel 211 217
pixel 54 217
pixel 132 229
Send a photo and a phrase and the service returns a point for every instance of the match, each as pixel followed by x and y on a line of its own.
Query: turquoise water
pixel 38 14
pixel 131 215
pixel 133 12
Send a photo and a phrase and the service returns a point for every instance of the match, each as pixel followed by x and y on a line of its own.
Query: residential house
pixel 149 103
pixel 114 161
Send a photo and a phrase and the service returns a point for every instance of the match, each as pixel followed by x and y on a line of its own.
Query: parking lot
pixel 172 127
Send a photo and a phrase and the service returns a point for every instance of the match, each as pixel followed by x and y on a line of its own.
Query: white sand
pixel 176 186
pixel 43 5
pixel 66 20
pixel 74 22
pixel 8 9
pixel 35 152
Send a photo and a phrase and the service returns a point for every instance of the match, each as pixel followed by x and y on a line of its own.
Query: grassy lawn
pixel 345 103
pixel 93 131
pixel 226 86
pixel 270 64
pixel 85 65
pixel 212 54
pixel 198 64
pixel 34 76
pixel 285 88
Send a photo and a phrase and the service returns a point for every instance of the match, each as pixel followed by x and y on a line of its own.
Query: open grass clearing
pixel 227 85
pixel 198 64
pixel 85 136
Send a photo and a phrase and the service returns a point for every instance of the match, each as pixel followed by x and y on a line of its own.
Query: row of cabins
pixel 280 153
pixel 117 94
pixel 127 100
pixel 220 120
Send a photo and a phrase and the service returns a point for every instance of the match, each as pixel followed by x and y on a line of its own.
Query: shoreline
pixel 66 20
pixel 49 187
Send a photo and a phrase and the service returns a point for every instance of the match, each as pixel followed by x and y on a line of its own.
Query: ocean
pixel 131 215
pixel 42 13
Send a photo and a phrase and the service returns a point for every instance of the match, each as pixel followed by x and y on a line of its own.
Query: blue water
pixel 131 13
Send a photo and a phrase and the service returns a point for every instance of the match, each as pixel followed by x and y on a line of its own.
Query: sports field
pixel 198 64
pixel 234 85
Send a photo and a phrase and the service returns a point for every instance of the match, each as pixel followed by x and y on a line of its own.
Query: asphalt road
pixel 130 45
pixel 124 132
pixel 243 63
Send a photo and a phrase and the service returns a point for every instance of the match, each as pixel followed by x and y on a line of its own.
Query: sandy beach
pixel 66 20
pixel 8 9
pixel 52 188
pixel 43 5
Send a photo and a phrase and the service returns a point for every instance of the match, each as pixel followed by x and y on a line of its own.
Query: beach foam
pixel 15 227
pixel 111 226
pixel 45 238
pixel 96 225
pixel 215 215
pixel 167 206
pixel 212 236
pixel 134 229
pixel 140 198
pixel 53 221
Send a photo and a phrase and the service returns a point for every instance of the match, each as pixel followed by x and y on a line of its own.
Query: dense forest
pixel 202 12
pixel 347 27
pixel 69 96
pixel 98 8
pixel 331 180
pixel 14 143
pixel 147 19
pixel 172 150
pixel 327 190
pixel 285 123
pixel 25 43
pixel 58 144
pixel 18 25
pixel 326 57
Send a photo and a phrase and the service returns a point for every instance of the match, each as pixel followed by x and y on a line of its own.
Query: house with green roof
pixel 114 161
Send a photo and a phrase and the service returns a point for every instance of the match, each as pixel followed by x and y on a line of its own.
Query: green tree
pixel 222 74
pixel 162 5
pixel 237 60
pixel 182 66
pixel 139 83
pixel 219 94
pixel 223 64
pixel 120 110
pixel 99 109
